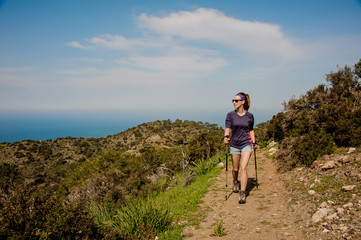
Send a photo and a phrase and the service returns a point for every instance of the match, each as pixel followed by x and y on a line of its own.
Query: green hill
pixel 48 186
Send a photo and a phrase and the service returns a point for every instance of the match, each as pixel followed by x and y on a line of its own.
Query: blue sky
pixel 170 56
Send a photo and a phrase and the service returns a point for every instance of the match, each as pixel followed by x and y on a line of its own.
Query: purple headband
pixel 241 97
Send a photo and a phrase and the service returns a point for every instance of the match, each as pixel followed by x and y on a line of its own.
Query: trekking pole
pixel 227 195
pixel 255 166
pixel 226 170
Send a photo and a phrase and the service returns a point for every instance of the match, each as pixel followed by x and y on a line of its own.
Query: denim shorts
pixel 238 151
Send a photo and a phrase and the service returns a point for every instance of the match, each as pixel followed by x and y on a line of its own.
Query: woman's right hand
pixel 227 140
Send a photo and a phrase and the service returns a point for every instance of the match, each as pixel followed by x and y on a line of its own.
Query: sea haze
pixel 42 125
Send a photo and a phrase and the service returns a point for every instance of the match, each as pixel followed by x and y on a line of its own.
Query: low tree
pixel 325 117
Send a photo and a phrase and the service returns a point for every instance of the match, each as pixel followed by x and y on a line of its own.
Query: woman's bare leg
pixel 244 157
pixel 235 163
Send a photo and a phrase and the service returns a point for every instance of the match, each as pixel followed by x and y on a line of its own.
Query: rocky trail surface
pixel 264 216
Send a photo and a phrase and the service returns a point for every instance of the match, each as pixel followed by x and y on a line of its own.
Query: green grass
pixel 219 229
pixel 164 214
pixel 102 215
pixel 204 166
pixel 142 215
pixel 331 189
pixel 183 202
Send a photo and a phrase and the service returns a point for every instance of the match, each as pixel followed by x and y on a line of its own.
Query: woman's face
pixel 237 101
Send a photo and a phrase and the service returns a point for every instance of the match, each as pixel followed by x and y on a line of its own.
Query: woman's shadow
pixel 251 184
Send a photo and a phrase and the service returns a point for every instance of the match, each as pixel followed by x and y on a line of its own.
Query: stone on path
pixel 320 214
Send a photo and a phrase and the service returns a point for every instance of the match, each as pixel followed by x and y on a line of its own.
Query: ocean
pixel 43 125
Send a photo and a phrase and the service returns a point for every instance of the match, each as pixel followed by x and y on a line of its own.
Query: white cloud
pixel 116 42
pixel 76 44
pixel 205 26
pixel 179 55
pixel 212 25
pixel 192 64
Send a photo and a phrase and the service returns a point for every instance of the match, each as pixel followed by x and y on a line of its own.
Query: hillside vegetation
pixel 56 189
pixel 326 117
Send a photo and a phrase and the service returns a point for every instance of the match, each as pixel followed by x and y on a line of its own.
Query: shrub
pixel 69 221
pixel 304 150
pixel 9 175
pixel 326 116
pixel 28 213
pixel 204 145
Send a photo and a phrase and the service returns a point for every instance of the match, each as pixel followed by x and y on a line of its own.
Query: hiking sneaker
pixel 242 197
pixel 236 186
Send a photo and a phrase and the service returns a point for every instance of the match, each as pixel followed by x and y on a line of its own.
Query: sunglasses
pixel 236 100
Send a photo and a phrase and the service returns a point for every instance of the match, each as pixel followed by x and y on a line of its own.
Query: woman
pixel 239 124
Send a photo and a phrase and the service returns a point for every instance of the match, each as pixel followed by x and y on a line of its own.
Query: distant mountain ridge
pixel 161 133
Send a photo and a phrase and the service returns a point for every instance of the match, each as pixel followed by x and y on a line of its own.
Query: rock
pixel 272 151
pixel 329 165
pixel 348 188
pixel 317 181
pixel 326 230
pixel 315 164
pixel 351 150
pixel 324 205
pixel 345 159
pixel 320 215
pixel 344 229
pixel 220 164
pixel 340 210
pixel 332 217
pixel 312 192
pixel 271 144
pixel 348 205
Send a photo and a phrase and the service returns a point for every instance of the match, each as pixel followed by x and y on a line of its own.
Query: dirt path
pixel 264 216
